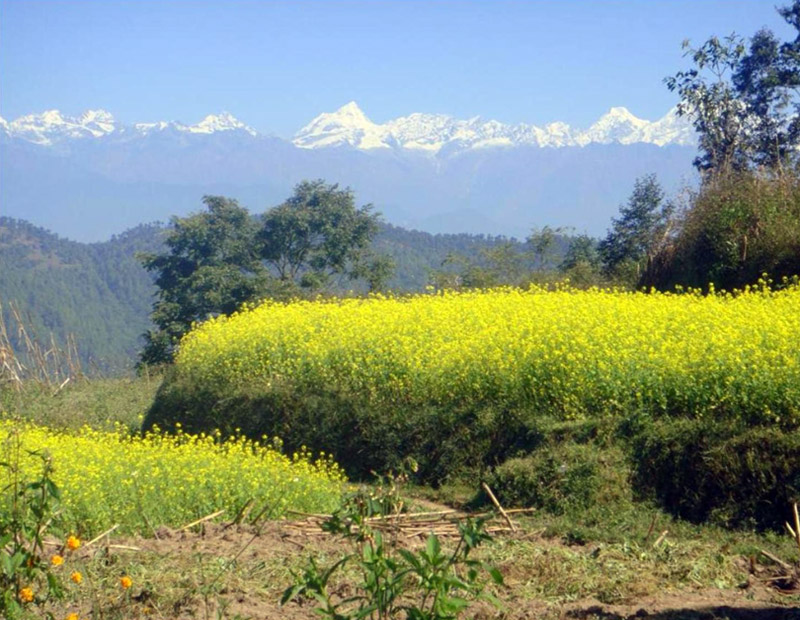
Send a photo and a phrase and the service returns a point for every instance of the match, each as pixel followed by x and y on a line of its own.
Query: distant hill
pixel 100 293
pixel 97 291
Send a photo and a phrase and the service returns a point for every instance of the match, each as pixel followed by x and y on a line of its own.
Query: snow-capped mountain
pixel 350 126
pixel 91 175
pixel 433 132
pixel 52 127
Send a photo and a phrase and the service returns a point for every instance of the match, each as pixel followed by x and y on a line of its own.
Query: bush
pixel 729 475
pixel 738 227
pixel 556 479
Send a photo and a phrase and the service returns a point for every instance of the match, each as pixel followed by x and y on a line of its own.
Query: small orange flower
pixel 72 616
pixel 73 542
pixel 57 560
pixel 26 595
pixel 126 582
pixel 76 577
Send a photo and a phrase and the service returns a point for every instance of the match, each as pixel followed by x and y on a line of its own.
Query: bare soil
pixel 243 570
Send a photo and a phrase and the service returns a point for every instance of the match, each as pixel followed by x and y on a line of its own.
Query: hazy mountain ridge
pixel 349 125
pixel 433 132
pixel 89 176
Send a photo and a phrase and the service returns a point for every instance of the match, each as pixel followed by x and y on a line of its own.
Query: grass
pixel 102 404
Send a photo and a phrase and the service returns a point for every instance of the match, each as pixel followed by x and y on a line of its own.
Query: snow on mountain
pixel 349 126
pixel 616 125
pixel 431 132
pixel 214 123
pixel 51 126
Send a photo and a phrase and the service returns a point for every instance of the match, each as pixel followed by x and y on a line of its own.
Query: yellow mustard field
pixel 109 478
pixel 566 352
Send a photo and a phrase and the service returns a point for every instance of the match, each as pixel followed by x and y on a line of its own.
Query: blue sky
pixel 276 65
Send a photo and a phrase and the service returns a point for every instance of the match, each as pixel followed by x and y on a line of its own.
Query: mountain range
pixel 90 176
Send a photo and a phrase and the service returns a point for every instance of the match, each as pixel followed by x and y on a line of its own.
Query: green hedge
pixel 446 442
pixel 701 471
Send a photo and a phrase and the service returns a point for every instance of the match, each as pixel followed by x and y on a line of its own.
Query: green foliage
pixel 581 262
pixel 709 99
pixel 740 96
pixel 98 402
pixel 98 293
pixel 318 234
pixel 211 267
pixel 427 584
pixel 511 262
pixel 731 475
pixel 446 441
pixel 643 226
pixel 27 509
pixel 558 479
pixel 738 228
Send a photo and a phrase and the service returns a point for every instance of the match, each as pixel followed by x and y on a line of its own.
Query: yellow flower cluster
pixel 112 477
pixel 564 352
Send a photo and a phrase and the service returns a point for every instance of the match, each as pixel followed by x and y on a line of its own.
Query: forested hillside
pixel 100 293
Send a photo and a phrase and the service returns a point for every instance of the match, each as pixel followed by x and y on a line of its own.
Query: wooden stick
pixel 650 529
pixel 776 560
pixel 203 519
pixel 106 533
pixel 660 539
pixel 790 530
pixel 796 524
pixel 309 514
pixel 415 515
pixel 498 506
pixel 126 547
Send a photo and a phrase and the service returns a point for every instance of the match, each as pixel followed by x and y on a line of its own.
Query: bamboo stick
pixel 201 520
pixel 498 506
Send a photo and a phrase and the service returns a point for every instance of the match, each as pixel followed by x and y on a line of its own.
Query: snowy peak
pixel 346 126
pixel 349 126
pixel 221 122
pixel 432 132
pixel 616 125
pixel 51 126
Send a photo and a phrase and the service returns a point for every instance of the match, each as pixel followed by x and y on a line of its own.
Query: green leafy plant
pixel 426 584
pixel 25 575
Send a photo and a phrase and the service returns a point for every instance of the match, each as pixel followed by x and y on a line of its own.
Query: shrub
pixel 557 479
pixel 738 227
pixel 730 475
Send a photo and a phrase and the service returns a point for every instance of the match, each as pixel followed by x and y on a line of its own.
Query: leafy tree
pixel 211 267
pixel 642 227
pixel 581 262
pixel 319 234
pixel 760 80
pixel 743 99
pixel 544 244
pixel 582 250
pixel 711 101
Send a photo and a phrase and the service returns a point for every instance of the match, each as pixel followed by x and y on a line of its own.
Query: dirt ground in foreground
pixel 264 556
